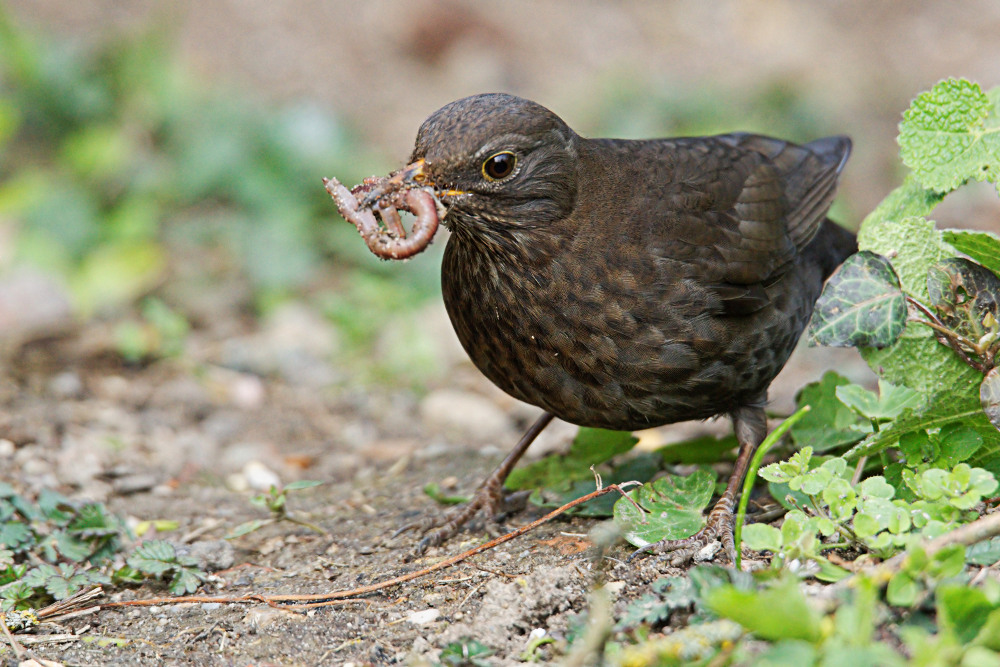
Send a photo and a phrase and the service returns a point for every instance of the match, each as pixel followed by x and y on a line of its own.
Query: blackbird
pixel 626 284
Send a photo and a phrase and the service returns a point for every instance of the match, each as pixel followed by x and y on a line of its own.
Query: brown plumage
pixel 627 284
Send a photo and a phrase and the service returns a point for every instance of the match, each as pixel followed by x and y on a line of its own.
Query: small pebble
pixel 66 385
pixel 423 617
pixel 259 477
pixel 614 587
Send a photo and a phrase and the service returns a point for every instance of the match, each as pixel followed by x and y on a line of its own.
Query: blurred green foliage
pixel 112 157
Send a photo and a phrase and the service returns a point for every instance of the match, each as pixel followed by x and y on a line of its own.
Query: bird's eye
pixel 499 165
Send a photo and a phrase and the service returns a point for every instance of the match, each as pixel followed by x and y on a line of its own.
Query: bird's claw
pixel 718 528
pixel 488 501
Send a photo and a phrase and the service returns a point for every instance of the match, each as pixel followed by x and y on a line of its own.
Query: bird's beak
pixel 415 175
pixel 411 176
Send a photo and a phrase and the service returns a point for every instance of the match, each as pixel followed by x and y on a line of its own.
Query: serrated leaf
pixel 950 134
pixel 154 557
pixel 673 505
pixel 646 609
pixel 185 580
pixel 92 520
pixel 989 396
pixel 862 305
pixel 947 410
pixel 14 534
pixel 957 443
pixel 984 247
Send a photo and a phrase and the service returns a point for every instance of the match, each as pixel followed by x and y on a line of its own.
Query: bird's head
pixel 497 162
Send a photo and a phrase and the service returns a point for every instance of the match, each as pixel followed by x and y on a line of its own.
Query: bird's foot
pixel 490 500
pixel 718 528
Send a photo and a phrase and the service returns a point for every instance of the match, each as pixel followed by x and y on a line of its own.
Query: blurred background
pixel 160 194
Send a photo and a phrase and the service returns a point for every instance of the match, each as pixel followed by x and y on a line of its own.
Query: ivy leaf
pixel 951 134
pixel 673 508
pixel 989 396
pixel 965 296
pixel 862 305
pixel 984 247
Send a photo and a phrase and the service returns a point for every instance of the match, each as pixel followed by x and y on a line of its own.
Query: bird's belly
pixel 606 367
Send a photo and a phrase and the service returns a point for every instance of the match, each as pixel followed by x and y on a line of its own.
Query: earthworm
pixel 391 240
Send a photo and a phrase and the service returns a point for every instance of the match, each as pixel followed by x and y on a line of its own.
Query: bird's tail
pixel 831 246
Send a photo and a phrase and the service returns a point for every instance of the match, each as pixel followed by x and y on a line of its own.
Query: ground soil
pixel 187 439
pixel 166 441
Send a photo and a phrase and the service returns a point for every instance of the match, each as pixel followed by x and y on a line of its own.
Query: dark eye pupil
pixel 499 166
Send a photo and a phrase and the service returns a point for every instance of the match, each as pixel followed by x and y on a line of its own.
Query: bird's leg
pixel 750 424
pixel 489 497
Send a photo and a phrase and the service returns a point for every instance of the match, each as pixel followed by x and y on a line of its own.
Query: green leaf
pixel 984 247
pixel 989 634
pixel 639 468
pixel 829 423
pixel 903 590
pixel 950 134
pixel 964 294
pixel 14 534
pixel 962 611
pixel 185 580
pixel 155 557
pixel 673 508
pixel 787 652
pixel 915 245
pixel 705 449
pixel 590 447
pixel 984 553
pixel 948 562
pixel 246 528
pixel 890 402
pixel 762 537
pixel 779 612
pixel 861 305
pixel 301 484
pixel 434 492
pixel 957 443
pixel 117 273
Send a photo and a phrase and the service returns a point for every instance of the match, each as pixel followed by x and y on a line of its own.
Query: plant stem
pixel 748 481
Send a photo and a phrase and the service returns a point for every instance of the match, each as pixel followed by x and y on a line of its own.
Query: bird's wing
pixel 743 206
